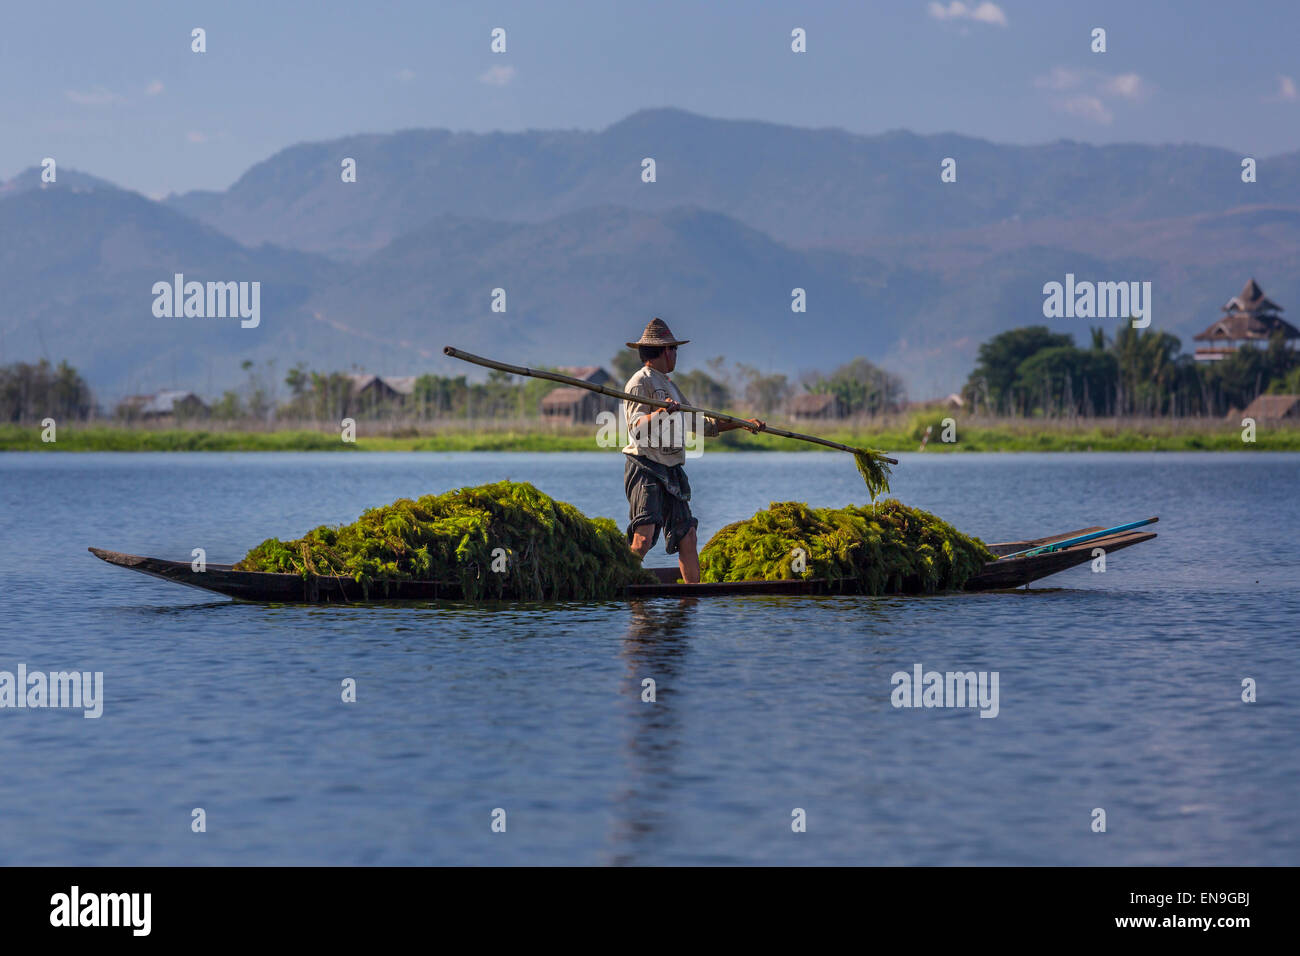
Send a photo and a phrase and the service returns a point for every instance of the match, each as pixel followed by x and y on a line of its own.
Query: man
pixel 658 494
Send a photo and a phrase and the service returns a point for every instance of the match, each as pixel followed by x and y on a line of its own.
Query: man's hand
pixel 673 406
pixel 757 425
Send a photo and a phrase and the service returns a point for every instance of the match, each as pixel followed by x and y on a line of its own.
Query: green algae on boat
pixel 874 471
pixel 549 550
pixel 889 549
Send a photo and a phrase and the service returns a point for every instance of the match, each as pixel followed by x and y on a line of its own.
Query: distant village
pixel 432 397
pixel 1245 364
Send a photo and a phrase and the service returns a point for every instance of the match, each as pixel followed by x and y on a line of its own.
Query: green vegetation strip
pixel 883 550
pixel 549 550
pixel 1013 436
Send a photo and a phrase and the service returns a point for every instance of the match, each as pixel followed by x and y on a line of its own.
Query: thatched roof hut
pixel 1273 408
pixel 371 390
pixel 169 403
pixel 588 373
pixel 816 405
pixel 575 406
pixel 403 385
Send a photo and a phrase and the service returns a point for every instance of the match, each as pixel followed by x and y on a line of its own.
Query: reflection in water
pixel 654 646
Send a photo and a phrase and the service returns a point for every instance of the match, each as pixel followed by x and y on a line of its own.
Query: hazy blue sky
pixel 111 88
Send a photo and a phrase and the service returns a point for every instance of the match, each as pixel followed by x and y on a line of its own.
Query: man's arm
pixel 755 425
pixel 644 389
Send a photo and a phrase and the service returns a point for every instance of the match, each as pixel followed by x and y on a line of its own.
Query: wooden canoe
pixel 293 588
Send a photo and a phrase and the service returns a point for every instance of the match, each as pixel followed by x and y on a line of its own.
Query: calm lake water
pixel 1119 690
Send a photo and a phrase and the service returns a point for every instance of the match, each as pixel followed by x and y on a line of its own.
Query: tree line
pixel 860 386
pixel 1033 371
pixel 30 393
pixel 1024 372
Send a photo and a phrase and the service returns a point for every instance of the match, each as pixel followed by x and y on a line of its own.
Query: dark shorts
pixel 659 495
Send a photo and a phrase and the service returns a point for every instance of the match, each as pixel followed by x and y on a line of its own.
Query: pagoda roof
pixel 1241 326
pixel 1252 300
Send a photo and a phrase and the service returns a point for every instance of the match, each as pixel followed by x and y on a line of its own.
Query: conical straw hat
pixel 657 333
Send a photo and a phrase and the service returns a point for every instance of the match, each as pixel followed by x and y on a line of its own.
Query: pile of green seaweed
pixel 549 550
pixel 888 549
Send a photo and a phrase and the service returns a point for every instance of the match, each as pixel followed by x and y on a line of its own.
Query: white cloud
pixel 1286 88
pixel 1087 107
pixel 1090 92
pixel 95 97
pixel 154 88
pixel 1127 85
pixel 194 136
pixel 497 75
pixel 1059 79
pixel 405 75
pixel 956 10
pixel 989 13
pixel 952 11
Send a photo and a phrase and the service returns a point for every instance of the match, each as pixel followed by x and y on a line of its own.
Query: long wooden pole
pixel 643 400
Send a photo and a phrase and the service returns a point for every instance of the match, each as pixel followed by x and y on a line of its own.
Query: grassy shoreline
pixel 992 436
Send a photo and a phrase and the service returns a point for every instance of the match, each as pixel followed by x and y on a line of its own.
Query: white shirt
pixel 664 438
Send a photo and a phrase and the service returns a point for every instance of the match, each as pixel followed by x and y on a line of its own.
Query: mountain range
pixel 909 271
